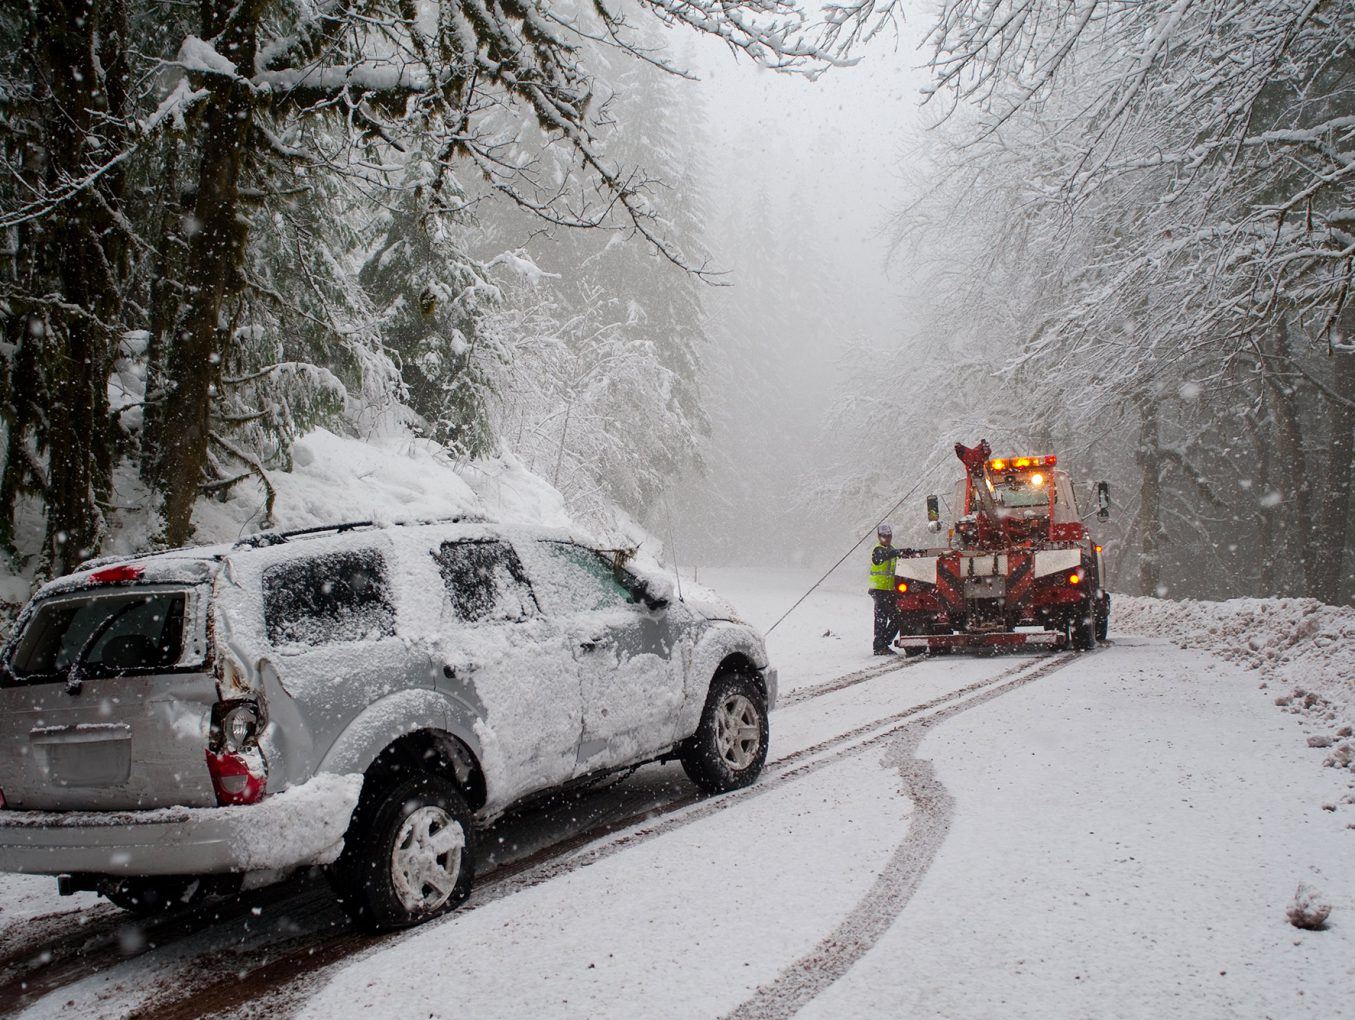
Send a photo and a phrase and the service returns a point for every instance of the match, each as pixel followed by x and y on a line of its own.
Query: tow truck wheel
pixel 1082 630
pixel 1103 620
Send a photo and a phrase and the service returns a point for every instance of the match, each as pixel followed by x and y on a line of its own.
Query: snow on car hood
pixel 710 605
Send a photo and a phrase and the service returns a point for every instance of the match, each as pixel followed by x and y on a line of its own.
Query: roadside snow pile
pixel 1303 647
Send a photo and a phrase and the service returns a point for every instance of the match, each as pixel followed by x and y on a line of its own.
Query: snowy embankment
pixel 382 479
pixel 1303 648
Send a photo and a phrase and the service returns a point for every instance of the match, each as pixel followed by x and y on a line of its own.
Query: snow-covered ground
pixel 1115 834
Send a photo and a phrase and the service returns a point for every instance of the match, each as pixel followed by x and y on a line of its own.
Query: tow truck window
pixel 1016 491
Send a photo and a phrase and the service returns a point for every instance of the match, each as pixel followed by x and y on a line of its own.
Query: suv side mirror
pixel 1103 500
pixel 656 592
pixel 933 513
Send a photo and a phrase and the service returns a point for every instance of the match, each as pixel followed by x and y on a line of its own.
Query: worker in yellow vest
pixel 882 560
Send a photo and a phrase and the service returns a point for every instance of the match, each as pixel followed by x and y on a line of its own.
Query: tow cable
pixel 884 516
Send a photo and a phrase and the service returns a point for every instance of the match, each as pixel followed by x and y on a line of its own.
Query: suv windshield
pixel 119 632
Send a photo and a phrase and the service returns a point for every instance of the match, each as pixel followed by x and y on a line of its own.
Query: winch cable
pixel 882 517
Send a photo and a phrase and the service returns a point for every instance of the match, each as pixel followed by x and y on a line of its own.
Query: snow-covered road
pixel 1106 835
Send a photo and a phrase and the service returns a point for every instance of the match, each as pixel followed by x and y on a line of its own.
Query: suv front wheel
pixel 728 749
pixel 407 856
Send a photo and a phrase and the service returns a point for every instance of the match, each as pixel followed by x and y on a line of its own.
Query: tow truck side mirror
pixel 933 513
pixel 1103 500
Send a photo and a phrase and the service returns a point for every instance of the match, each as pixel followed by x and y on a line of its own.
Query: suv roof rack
pixel 264 539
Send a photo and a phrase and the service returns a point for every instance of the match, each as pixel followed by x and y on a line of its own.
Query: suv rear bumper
pixel 300 826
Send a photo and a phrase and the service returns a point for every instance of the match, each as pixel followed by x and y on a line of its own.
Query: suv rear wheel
pixel 407 856
pixel 728 749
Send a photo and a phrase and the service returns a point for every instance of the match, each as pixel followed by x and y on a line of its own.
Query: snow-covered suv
pixel 359 697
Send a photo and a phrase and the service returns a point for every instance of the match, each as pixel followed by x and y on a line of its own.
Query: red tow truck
pixel 1021 567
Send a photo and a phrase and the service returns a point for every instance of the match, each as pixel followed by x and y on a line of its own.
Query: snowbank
pixel 1304 648
pixel 338 478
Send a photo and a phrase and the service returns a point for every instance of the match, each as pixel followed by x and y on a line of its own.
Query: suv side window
pixel 341 596
pixel 579 579
pixel 485 581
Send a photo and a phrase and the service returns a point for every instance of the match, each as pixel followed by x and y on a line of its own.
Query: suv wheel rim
pixel 426 860
pixel 738 732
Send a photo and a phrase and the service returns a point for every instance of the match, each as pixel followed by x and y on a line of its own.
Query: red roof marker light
pixel 116 575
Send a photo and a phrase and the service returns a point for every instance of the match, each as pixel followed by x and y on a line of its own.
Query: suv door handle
pixel 593 644
pixel 452 672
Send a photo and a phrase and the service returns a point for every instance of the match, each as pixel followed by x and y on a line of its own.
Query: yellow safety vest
pixel 882 574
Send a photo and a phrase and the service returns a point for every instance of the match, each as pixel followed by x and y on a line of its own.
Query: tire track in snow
pixel 841 683
pixel 802 981
pixel 37 970
pixel 282 984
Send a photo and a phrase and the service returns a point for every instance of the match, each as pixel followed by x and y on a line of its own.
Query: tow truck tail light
pixel 3 805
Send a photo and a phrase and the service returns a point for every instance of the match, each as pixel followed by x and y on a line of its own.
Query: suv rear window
pixel 121 632
pixel 485 581
pixel 342 596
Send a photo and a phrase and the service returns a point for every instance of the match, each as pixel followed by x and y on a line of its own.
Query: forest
pixel 1129 238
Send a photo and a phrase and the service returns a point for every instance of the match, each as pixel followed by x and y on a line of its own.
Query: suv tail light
pixel 237 766
pixel 238 777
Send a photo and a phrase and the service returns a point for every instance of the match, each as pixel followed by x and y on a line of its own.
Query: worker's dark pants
pixel 886 618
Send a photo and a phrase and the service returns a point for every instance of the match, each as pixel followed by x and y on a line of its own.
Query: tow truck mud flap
pixel 1003 639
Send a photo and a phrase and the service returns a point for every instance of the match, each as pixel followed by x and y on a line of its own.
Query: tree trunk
pixel 212 277
pixel 1267 532
pixel 83 49
pixel 1333 521
pixel 1153 534
pixel 1301 547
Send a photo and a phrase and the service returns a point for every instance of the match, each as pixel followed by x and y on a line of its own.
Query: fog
pixel 802 180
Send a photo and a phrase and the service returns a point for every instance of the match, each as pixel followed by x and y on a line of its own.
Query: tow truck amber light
pixel 116 575
pixel 1074 578
pixel 903 586
pixel 1002 463
pixel 1098 548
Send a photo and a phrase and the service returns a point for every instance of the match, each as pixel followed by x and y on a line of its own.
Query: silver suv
pixel 359 697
